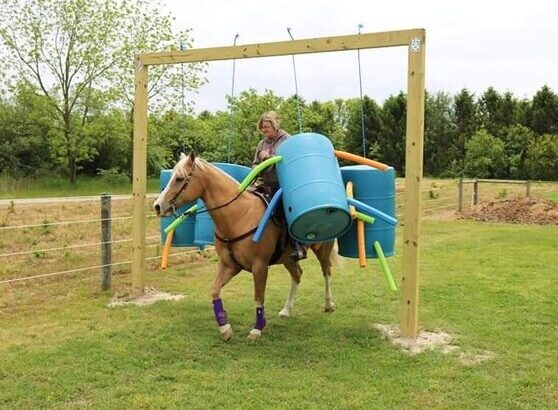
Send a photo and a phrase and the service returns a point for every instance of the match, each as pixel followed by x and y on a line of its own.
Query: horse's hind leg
pixel 324 254
pixel 224 275
pixel 296 273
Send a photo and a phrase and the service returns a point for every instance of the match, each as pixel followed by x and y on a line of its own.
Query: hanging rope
pixel 298 113
pixel 361 101
pixel 183 104
pixel 231 115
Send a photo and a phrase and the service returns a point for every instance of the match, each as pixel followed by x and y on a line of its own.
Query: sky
pixel 474 44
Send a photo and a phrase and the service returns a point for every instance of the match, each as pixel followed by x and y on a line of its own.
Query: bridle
pixel 182 188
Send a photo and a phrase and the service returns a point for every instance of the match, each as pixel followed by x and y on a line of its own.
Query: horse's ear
pixel 192 156
pixel 182 155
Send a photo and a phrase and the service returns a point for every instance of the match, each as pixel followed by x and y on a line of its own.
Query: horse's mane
pixel 201 164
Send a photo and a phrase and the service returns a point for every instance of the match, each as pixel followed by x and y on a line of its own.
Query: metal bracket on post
pixel 415 44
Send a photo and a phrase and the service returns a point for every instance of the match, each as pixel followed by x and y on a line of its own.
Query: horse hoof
pixel 284 314
pixel 254 335
pixel 330 308
pixel 226 332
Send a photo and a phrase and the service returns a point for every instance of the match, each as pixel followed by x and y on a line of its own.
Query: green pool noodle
pixel 256 171
pixel 181 218
pixel 384 265
pixel 366 218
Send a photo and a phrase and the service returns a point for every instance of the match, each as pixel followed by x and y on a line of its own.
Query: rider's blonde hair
pixel 271 117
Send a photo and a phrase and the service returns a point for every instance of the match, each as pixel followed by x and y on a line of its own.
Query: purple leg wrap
pixel 220 313
pixel 260 318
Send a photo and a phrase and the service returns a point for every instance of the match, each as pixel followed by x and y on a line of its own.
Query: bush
pixel 113 177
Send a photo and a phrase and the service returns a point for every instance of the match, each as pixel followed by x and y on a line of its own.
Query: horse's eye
pixel 179 179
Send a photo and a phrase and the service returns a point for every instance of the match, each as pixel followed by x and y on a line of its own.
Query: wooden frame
pixel 413 39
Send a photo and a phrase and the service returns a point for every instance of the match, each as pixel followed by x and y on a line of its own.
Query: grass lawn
pixel 492 286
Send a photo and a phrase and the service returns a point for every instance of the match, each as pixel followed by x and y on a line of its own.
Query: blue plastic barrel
pixel 204 224
pixel 377 189
pixel 314 196
pixel 184 233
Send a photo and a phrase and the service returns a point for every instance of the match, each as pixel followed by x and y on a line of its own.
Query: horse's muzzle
pixel 157 208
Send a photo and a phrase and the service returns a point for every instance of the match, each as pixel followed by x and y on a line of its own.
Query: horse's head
pixel 183 186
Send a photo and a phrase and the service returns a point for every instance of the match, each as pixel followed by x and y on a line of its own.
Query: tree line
pixel 66 105
pixel 493 135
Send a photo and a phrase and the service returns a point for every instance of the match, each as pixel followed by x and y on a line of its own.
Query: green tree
pixel 439 134
pixel 372 116
pixel 108 134
pixel 542 158
pixel 148 29
pixel 517 139
pixel 544 112
pixel 465 118
pixel 25 127
pixel 485 156
pixel 77 52
pixel 496 111
pixel 391 143
pixel 321 117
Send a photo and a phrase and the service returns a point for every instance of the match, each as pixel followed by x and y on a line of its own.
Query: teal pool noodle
pixel 267 214
pixel 367 208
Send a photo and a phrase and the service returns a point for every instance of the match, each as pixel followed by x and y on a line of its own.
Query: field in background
pixel 11 188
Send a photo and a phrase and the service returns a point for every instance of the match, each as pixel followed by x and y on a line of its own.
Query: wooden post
pixel 475 194
pixel 139 184
pixel 106 245
pixel 413 182
pixel 460 195
pixel 528 188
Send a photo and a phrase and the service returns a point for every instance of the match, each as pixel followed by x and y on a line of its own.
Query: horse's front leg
pixel 224 275
pixel 259 272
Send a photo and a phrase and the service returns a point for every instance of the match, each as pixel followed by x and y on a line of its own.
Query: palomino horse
pixel 236 217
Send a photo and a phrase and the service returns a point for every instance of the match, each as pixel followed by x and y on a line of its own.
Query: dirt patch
pixel 429 341
pixel 150 296
pixel 524 210
pixel 425 341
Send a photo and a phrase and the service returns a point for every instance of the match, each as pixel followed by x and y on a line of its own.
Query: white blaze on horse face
pixel 163 200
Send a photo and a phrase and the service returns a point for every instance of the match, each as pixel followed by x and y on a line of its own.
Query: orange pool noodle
pixel 360 160
pixel 166 251
pixel 360 244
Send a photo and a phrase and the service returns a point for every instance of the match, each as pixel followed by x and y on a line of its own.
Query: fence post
pixel 106 245
pixel 460 195
pixel 475 196
pixel 528 188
